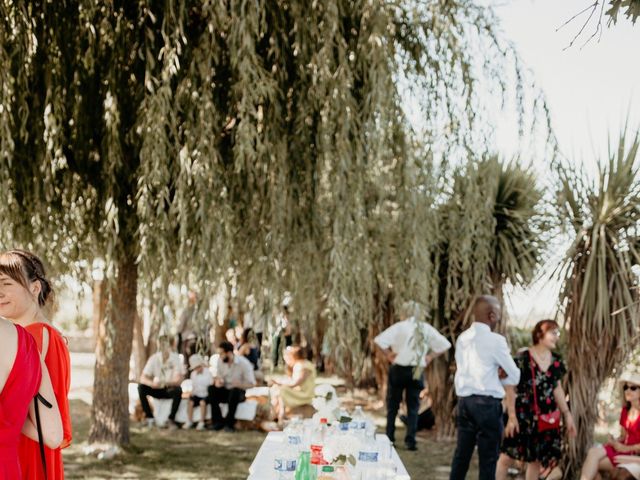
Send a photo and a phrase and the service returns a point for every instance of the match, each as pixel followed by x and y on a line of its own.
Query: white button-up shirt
pixel 479 353
pixel 401 338
pixel 163 372
pixel 240 371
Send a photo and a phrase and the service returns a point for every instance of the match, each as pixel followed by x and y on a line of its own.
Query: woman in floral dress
pixel 540 450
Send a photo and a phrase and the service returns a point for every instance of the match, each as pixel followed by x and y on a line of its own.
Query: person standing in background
pixel 283 330
pixel 185 324
pixel 406 353
pixel 538 392
pixel 480 354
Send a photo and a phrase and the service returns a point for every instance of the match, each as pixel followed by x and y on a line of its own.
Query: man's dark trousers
pixel 174 393
pixel 401 380
pixel 479 422
pixel 232 397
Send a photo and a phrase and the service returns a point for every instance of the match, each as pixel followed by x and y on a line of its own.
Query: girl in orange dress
pixel 25 291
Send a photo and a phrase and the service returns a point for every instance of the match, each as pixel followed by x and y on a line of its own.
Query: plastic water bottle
pixel 358 423
pixel 368 460
pixel 285 463
pixel 293 434
pixel 304 469
pixel 317 442
pixel 343 424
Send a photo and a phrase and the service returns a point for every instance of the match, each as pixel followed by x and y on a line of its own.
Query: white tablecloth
pixel 262 466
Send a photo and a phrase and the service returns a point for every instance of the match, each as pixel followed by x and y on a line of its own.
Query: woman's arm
pixel 512 426
pixel 561 401
pixel 298 377
pixel 52 434
pixel 620 459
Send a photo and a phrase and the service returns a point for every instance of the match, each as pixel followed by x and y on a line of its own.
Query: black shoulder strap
pixel 40 398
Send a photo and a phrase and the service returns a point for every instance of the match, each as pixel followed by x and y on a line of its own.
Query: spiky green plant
pixel 599 293
pixel 493 231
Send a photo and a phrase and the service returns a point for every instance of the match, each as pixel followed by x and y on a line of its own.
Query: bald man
pixel 480 353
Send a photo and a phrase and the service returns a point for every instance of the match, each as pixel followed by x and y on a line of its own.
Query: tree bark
pixel 440 376
pixel 110 410
pixel 140 353
pixel 99 305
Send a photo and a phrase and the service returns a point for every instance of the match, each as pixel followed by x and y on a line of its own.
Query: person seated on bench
pixel 232 375
pixel 298 388
pixel 161 378
pixel 201 380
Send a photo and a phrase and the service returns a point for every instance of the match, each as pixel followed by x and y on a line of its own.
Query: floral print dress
pixel 530 445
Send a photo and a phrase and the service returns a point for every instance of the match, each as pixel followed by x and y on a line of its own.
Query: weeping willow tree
pixel 187 142
pixel 600 295
pixel 493 231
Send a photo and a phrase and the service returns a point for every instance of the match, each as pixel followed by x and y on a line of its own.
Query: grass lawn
pixel 161 454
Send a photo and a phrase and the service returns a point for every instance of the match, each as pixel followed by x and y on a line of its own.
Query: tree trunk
pixel 583 388
pixel 139 349
pixel 380 363
pixel 440 381
pixel 110 410
pixel 99 301
pixel 441 374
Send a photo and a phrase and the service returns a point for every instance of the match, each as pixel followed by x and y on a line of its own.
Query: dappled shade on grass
pixel 161 454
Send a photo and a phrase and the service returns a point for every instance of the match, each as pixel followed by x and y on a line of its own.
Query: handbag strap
pixel 43 458
pixel 533 380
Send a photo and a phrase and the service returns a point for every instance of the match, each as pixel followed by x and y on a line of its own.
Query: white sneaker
pixel 200 426
pixel 187 425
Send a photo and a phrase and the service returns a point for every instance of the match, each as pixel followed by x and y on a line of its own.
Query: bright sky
pixel 590 90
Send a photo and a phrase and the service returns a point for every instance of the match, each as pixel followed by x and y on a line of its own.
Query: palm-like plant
pixel 600 288
pixel 493 230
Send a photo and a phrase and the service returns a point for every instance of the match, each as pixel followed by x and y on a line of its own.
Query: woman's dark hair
pixel 24 267
pixel 541 328
pixel 247 335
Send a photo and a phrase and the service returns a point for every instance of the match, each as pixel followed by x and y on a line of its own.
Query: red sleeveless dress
pixel 16 396
pixel 59 366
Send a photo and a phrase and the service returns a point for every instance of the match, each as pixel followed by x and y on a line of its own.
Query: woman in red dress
pixel 26 291
pixel 605 458
pixel 22 375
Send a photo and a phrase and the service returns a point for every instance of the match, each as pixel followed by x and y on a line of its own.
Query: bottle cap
pixel 324 420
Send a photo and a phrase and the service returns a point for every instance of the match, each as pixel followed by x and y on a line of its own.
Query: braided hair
pixel 25 268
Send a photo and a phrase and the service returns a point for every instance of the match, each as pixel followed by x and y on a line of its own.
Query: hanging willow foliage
pixel 600 296
pixel 187 142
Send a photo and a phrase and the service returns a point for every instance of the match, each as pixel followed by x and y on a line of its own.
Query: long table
pixel 262 466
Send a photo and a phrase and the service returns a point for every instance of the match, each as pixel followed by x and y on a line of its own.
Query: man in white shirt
pixel 161 378
pixel 408 344
pixel 232 375
pixel 480 354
